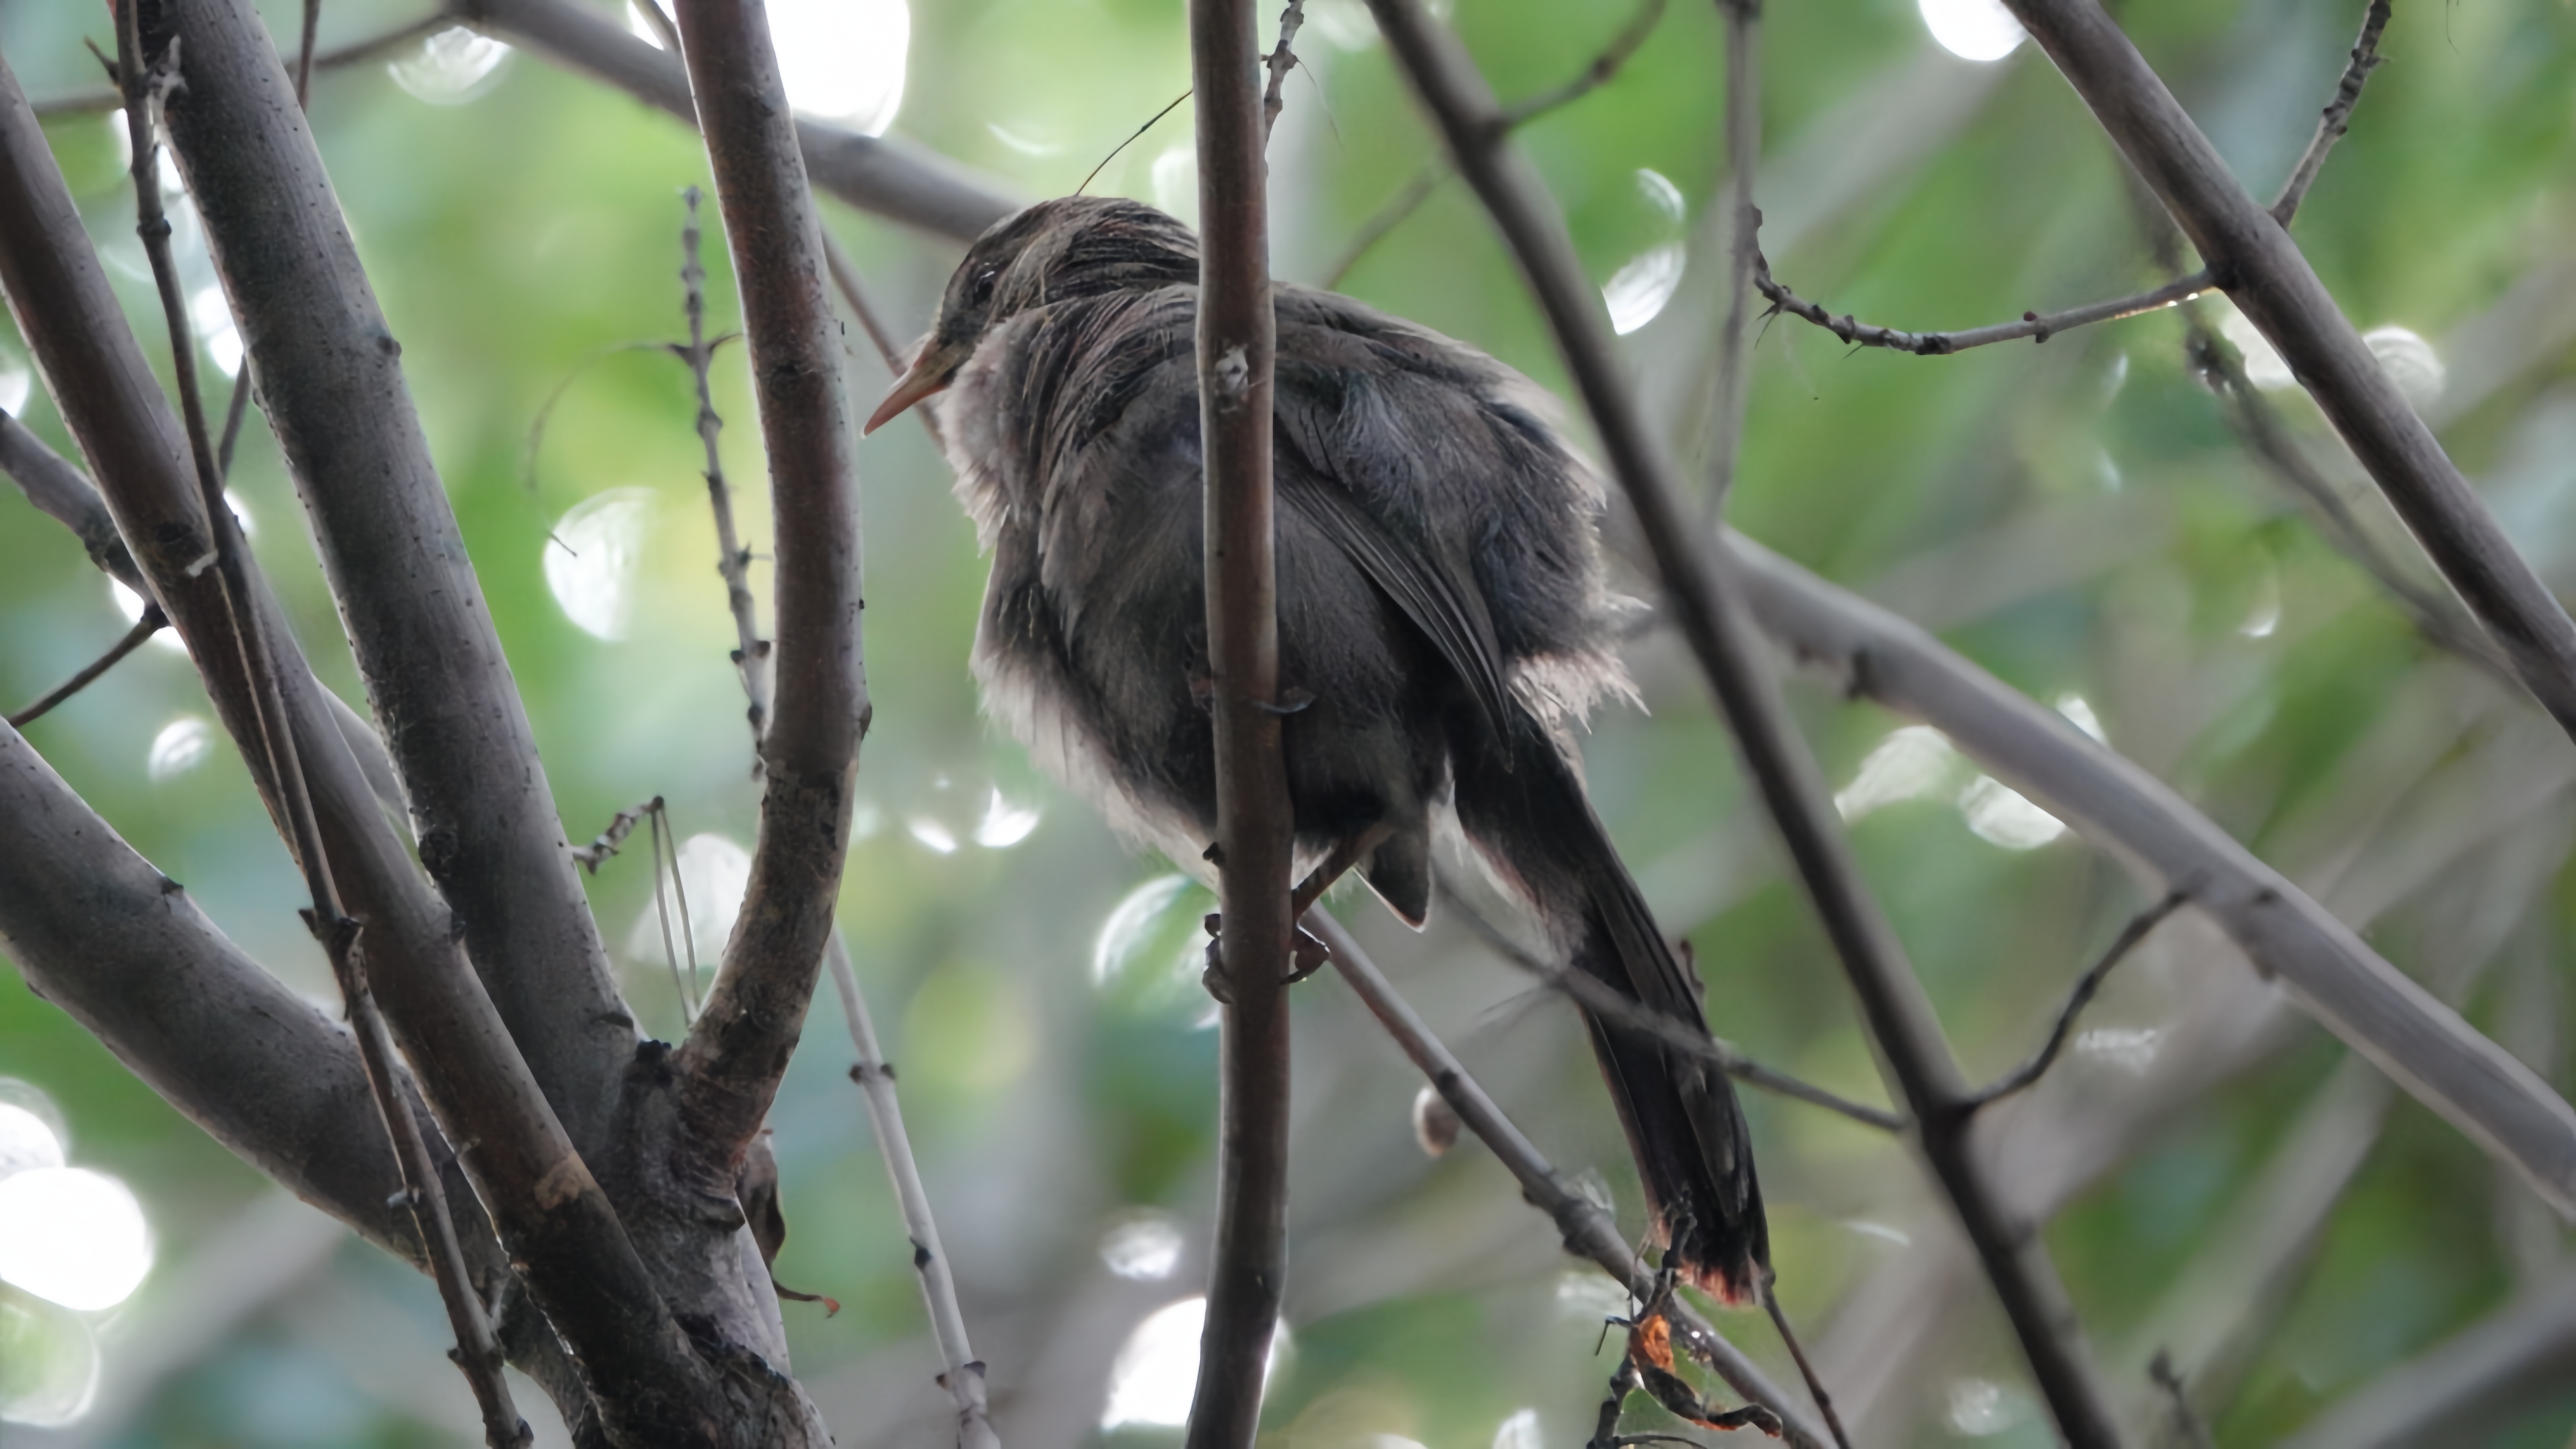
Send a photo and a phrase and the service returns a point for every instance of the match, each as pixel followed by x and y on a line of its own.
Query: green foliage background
pixel 2076 516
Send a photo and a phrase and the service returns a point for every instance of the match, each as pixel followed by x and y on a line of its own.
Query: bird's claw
pixel 1306 956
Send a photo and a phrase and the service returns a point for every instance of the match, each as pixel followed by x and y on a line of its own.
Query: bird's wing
pixel 1444 606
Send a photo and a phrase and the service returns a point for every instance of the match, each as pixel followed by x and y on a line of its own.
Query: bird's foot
pixel 1307 954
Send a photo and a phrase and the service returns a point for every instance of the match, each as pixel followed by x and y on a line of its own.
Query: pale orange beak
pixel 930 375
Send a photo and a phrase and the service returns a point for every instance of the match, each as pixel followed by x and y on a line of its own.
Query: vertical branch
pixel 1743 240
pixel 733 561
pixel 962 1373
pixel 1707 602
pixel 477 1353
pixel 1236 339
pixel 729 1068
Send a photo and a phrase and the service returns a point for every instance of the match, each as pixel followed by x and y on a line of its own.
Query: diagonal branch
pixel 889 178
pixel 728 1070
pixel 1743 237
pixel 2349 988
pixel 330 378
pixel 2338 113
pixel 2273 285
pixel 1588 1231
pixel 1706 601
pixel 2019 1078
pixel 98 100
pixel 144 628
pixel 1236 341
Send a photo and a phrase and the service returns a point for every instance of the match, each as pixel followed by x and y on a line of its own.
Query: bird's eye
pixel 982 290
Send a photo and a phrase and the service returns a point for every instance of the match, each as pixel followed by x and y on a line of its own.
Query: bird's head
pixel 1073 246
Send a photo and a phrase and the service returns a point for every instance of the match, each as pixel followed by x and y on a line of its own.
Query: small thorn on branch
pixel 2036 326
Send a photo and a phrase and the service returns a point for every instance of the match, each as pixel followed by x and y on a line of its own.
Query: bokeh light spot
pixel 592 558
pixel 182 745
pixel 1973 29
pixel 452 67
pixel 73 1236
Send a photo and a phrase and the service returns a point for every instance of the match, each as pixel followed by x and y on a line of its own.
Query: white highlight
pixel 1637 292
pixel 1981 1408
pixel 1004 824
pixel 714 874
pixel 73 1237
pixel 1145 1246
pixel 1973 29
pixel 16 383
pixel 932 834
pixel 2263 365
pixel 212 317
pixel 182 745
pixel 2000 815
pixel 1130 923
pixel 592 559
pixel 2266 613
pixel 2079 713
pixel 2130 1048
pixel 452 67
pixel 1157 1368
pixel 2410 362
pixel 843 59
pixel 1909 764
pixel 1519 1430
pixel 27 1141
pixel 49 1363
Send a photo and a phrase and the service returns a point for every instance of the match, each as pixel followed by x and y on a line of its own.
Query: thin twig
pixel 854 294
pixel 1743 242
pixel 102 99
pixel 2258 427
pixel 304 55
pixel 2076 1000
pixel 1940 344
pixel 1603 69
pixel 1236 341
pixel 234 412
pixel 2338 113
pixel 1707 601
pixel 1588 1231
pixel 963 1375
pixel 144 628
pixel 658 20
pixel 733 561
pixel 607 842
pixel 477 1352
pixel 1806 1370
pixel 2273 284
pixel 1279 62
pixel 1603 1000
pixel 2178 1395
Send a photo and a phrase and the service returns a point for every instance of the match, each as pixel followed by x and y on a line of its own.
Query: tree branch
pixel 2273 285
pixel 1281 60
pixel 331 382
pixel 751 652
pixel 2140 925
pixel 729 1068
pixel 1706 602
pixel 2338 113
pixel 550 1216
pixel 99 100
pixel 2354 993
pixel 1604 68
pixel 1236 340
pixel 1588 1231
pixel 58 490
pixel 963 1373
pixel 2518 1354
pixel 144 628
pixel 1939 344
pixel 890 178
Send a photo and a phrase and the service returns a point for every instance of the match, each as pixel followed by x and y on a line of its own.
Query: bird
pixel 1443 621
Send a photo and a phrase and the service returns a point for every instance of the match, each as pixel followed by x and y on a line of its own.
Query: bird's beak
pixel 930 374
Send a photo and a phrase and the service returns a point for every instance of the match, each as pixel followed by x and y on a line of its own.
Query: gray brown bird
pixel 1441 618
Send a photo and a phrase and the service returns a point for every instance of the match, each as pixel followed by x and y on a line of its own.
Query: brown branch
pixel 1940 344
pixel 888 177
pixel 1603 1000
pixel 144 628
pixel 962 1373
pixel 1236 340
pixel 2273 285
pixel 2327 969
pixel 728 1070
pixel 304 54
pixel 477 1352
pixel 58 490
pixel 1743 249
pixel 1707 603
pixel 733 561
pixel 2258 427
pixel 331 383
pixel 549 1215
pixel 2338 113
pixel 1279 62
pixel 102 99
pixel 1588 1231
pixel 1604 68
pixel 2076 1000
